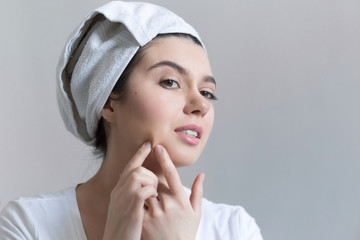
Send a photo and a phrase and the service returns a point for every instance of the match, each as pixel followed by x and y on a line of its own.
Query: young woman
pixel 135 82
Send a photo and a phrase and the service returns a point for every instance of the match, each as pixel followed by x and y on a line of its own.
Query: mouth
pixel 190 134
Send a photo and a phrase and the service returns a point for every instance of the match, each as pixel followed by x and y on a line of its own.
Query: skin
pixel 137 193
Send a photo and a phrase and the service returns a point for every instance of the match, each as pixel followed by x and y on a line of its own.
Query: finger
pixel 132 185
pixel 197 193
pixel 169 170
pixel 164 195
pixel 153 206
pixel 138 159
pixel 149 174
pixel 138 179
pixel 142 194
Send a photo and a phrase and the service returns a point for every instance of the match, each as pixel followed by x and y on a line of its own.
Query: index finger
pixel 169 170
pixel 139 157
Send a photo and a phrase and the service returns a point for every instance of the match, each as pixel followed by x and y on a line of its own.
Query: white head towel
pixel 98 52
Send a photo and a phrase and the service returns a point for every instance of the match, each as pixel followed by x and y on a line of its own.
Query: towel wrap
pixel 97 53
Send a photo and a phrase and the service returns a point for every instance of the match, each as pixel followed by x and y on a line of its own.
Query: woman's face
pixel 168 101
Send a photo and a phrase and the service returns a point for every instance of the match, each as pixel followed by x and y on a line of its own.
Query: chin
pixel 183 156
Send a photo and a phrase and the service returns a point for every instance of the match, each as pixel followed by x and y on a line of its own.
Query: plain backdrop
pixel 286 139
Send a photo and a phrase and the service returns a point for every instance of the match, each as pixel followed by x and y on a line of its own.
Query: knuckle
pixel 134 176
pixel 141 170
pixel 168 172
pixel 156 213
pixel 170 207
pixel 183 204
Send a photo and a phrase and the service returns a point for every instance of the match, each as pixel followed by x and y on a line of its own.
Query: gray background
pixel 286 140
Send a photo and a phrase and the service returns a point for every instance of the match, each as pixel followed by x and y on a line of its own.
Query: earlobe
pixel 108 111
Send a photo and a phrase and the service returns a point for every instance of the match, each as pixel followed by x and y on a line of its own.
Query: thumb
pixel 197 193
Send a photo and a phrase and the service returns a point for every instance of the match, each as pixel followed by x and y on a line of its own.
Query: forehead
pixel 182 51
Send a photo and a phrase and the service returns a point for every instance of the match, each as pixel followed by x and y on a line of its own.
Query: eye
pixel 169 83
pixel 208 95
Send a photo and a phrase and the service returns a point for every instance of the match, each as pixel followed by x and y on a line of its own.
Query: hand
pixel 126 208
pixel 172 215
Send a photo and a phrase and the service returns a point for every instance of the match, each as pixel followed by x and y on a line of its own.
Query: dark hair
pixel 121 85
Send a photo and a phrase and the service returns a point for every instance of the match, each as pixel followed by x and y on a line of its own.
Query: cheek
pixel 154 115
pixel 153 109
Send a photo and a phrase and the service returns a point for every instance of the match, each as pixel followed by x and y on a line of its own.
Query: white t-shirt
pixel 56 216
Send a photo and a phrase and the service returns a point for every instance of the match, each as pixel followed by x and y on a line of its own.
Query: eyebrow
pixel 180 69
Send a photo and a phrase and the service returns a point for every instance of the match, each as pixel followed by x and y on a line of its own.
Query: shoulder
pixel 26 217
pixel 40 205
pixel 221 221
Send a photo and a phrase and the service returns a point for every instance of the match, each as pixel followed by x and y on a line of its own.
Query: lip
pixel 188 139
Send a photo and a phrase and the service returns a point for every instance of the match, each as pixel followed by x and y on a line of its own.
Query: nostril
pixel 195 111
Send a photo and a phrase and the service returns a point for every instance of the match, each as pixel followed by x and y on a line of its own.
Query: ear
pixel 108 111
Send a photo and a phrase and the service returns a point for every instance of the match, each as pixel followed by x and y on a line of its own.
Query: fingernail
pixel 158 150
pixel 147 145
pixel 202 178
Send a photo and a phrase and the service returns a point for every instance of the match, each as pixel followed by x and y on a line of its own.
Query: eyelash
pixel 163 82
pixel 206 94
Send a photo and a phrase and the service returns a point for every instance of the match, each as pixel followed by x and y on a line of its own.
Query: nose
pixel 197 104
